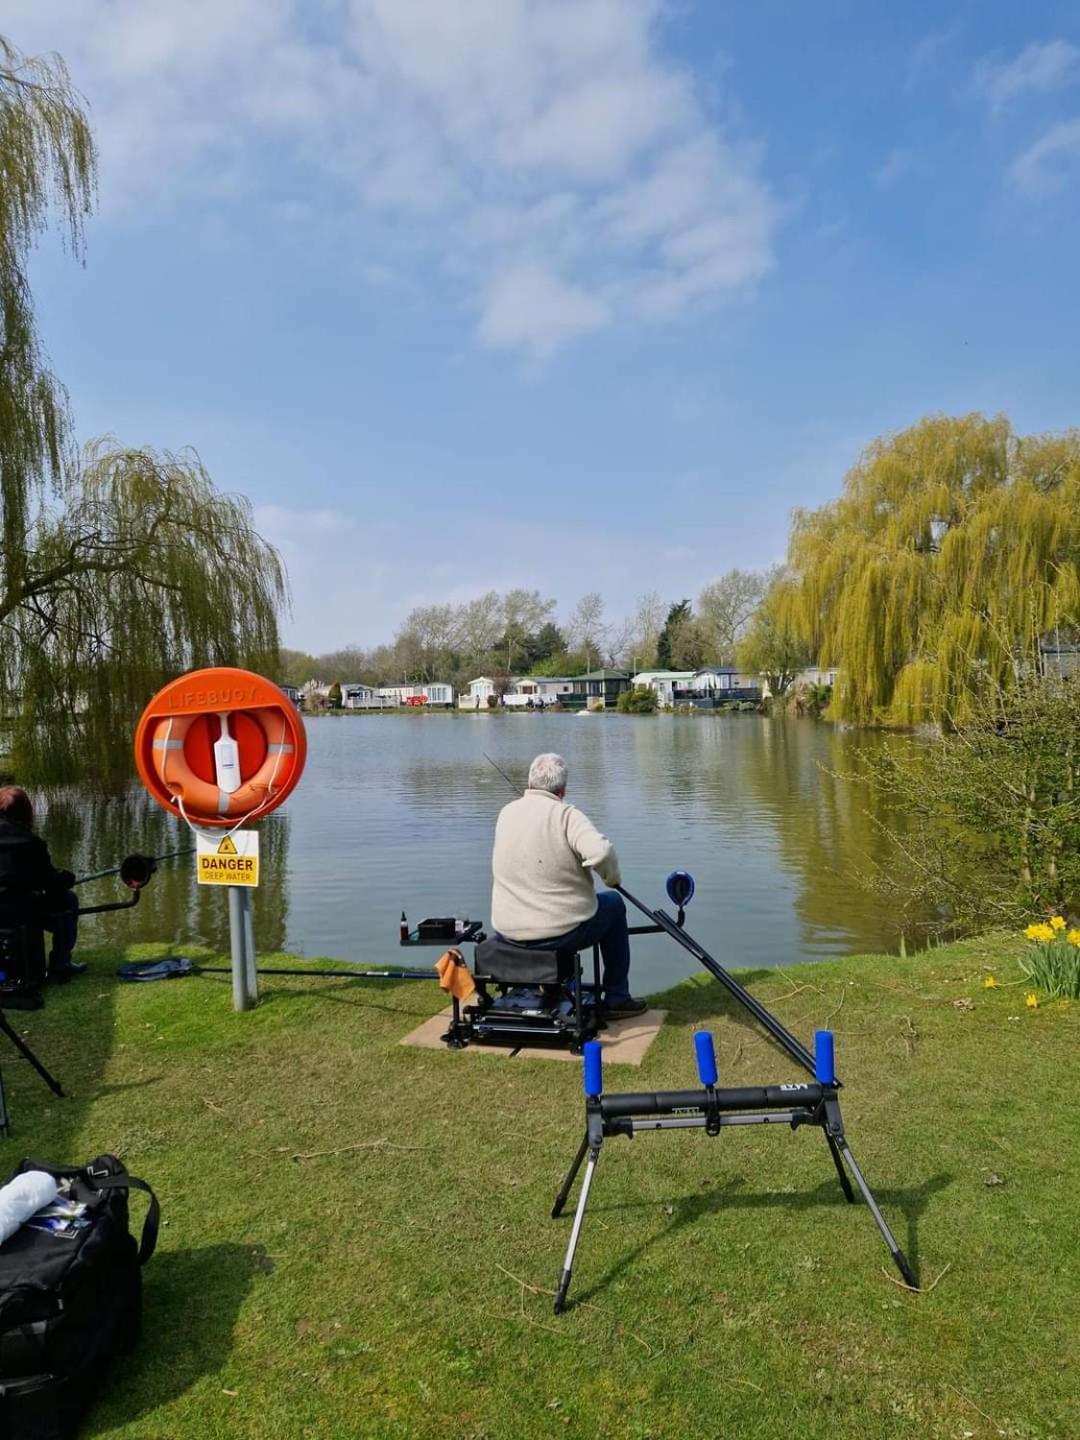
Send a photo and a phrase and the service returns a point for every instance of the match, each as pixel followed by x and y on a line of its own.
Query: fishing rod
pixel 501 771
pixel 125 864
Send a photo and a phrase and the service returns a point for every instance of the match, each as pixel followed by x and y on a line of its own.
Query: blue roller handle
pixel 706 1057
pixel 824 1058
pixel 594 1069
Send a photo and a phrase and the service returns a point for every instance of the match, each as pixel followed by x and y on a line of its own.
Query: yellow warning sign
pixel 233 860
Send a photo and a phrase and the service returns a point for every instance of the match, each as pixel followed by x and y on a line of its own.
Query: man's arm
pixel 595 851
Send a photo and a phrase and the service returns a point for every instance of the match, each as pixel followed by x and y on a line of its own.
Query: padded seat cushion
pixel 508 964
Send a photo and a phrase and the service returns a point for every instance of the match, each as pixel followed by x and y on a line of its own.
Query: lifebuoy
pixel 200 797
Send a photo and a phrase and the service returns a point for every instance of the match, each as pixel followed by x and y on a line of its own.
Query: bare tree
pixel 480 624
pixel 725 609
pixel 645 628
pixel 428 637
pixel 585 627
pixel 524 612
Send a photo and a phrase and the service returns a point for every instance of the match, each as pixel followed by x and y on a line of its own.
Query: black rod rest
pixel 712 1109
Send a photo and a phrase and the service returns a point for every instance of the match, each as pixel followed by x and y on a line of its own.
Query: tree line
pixel 517 632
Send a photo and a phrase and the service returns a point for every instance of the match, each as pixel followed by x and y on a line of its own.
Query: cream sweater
pixel 545 853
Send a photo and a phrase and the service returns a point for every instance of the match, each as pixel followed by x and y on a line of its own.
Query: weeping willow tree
pixel 118 567
pixel 935 577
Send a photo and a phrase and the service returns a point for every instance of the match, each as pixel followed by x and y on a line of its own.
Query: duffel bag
pixel 70 1301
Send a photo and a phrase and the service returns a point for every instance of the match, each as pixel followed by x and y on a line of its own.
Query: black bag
pixel 70 1306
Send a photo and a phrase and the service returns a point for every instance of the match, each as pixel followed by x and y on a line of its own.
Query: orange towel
pixel 454 975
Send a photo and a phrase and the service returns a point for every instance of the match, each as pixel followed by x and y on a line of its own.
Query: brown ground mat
pixel 624 1041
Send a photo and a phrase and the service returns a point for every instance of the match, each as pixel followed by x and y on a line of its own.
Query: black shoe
pixel 624 1008
pixel 61 974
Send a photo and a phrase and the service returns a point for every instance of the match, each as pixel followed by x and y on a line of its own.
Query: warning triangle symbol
pixel 227 846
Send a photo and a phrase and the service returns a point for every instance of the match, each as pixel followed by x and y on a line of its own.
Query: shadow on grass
pixel 703 998
pixel 911 1202
pixel 191 1300
pixel 73 1037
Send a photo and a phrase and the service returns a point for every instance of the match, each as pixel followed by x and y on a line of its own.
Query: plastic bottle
pixel 23 1197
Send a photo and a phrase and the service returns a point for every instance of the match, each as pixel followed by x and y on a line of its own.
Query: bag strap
pixel 153 1215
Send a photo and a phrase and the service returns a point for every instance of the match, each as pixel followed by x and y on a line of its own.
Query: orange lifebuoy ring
pixel 201 797
pixel 176 736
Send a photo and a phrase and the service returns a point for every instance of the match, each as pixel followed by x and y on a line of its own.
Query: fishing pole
pixel 116 869
pixel 501 771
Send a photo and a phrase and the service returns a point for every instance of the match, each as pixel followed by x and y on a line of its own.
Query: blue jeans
pixel 607 928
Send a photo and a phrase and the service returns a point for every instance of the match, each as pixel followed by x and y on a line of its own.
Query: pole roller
pixel 594 1069
pixel 824 1058
pixel 706 1057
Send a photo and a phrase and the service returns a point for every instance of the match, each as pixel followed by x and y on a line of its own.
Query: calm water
pixel 396 812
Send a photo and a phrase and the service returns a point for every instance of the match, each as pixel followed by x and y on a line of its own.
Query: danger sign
pixel 233 860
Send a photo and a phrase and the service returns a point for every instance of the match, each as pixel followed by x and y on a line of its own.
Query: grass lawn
pixel 356 1235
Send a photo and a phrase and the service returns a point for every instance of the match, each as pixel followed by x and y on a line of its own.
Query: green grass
pixel 401 1286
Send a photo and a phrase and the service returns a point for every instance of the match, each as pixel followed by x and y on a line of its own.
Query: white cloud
pixel 1039 68
pixel 1051 162
pixel 530 308
pixel 546 155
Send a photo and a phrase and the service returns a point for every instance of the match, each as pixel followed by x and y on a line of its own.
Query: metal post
pixel 242 946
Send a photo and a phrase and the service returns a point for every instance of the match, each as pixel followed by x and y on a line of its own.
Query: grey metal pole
pixel 240 935
pixel 248 913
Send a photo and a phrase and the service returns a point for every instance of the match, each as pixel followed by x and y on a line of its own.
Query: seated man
pixel 32 889
pixel 543 894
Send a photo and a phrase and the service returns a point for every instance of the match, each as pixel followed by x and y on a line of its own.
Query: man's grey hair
pixel 548 772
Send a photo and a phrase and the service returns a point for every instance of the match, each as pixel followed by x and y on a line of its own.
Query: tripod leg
pixel 564 1188
pixel 568 1263
pixel 845 1183
pixel 898 1255
pixel 27 1054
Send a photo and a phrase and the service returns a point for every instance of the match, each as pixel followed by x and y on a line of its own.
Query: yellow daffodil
pixel 1031 1000
pixel 1073 937
pixel 1039 931
pixel 1057 923
pixel 989 983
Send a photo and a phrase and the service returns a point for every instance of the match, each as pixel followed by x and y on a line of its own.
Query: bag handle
pixel 148 1242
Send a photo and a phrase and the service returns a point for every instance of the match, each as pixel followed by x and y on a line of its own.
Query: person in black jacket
pixel 32 889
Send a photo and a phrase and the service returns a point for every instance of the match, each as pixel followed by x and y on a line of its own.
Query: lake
pixel 396 812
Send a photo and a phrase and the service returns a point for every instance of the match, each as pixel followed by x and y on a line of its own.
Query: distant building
pixel 435 694
pixel 293 693
pixel 817 675
pixel 664 682
pixel 475 695
pixel 539 689
pixel 359 696
pixel 599 686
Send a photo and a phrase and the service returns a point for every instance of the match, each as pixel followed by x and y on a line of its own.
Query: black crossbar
pixel 744 1097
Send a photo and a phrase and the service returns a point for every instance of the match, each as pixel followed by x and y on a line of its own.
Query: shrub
pixel 991 810
pixel 640 701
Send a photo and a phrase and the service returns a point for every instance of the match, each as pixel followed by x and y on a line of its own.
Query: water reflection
pixel 397 812
pixel 87 833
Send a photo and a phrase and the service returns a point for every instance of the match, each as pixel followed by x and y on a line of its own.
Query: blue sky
pixel 576 294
